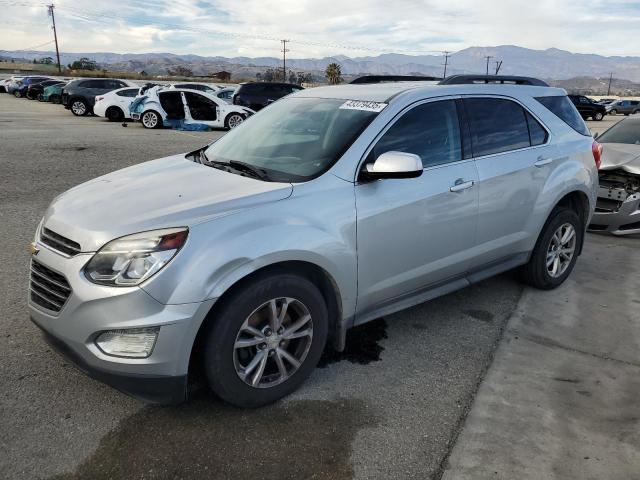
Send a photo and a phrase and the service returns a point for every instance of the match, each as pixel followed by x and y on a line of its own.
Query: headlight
pixel 130 260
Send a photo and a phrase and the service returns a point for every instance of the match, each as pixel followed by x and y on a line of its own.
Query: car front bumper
pixel 92 309
pixel 621 218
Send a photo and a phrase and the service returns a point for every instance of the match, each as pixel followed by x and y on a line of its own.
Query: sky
pixel 355 28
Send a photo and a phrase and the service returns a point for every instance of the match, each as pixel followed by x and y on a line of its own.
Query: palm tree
pixel 333 73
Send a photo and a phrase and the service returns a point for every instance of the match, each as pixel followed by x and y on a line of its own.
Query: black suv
pixel 257 95
pixel 79 96
pixel 588 108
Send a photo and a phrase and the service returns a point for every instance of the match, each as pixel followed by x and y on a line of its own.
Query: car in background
pixel 115 105
pixel 19 89
pixel 201 87
pixel 53 93
pixel 626 107
pixel 226 94
pixel 257 95
pixel 35 90
pixel 618 204
pixel 79 95
pixel 4 84
pixel 606 101
pixel 160 106
pixel 588 108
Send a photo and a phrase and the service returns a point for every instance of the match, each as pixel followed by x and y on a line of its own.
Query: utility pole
pixel 284 59
pixel 609 88
pixel 446 62
pixel 498 66
pixel 488 57
pixel 55 35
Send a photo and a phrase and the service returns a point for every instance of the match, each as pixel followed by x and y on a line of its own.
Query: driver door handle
pixel 461 185
pixel 541 162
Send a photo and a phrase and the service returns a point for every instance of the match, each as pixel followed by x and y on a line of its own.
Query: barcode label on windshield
pixel 362 105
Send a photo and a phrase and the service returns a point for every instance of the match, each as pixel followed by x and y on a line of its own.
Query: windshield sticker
pixel 363 105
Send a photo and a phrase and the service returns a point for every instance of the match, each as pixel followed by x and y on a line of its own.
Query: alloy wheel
pixel 150 120
pixel 561 250
pixel 273 342
pixel 78 108
pixel 234 120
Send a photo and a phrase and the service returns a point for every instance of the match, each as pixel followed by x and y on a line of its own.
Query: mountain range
pixel 548 64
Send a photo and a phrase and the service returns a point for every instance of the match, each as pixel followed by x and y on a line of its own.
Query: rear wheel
pixel 556 250
pixel 266 339
pixel 17 94
pixel 40 97
pixel 598 116
pixel 151 119
pixel 79 107
pixel 613 112
pixel 114 114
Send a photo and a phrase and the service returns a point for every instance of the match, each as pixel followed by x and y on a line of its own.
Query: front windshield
pixel 294 139
pixel 624 132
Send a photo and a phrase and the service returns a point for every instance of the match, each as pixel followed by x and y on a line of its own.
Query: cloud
pixel 319 28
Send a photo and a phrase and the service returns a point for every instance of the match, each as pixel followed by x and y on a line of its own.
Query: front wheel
pixel 556 250
pixel 17 94
pixel 40 97
pixel 266 339
pixel 79 107
pixel 233 120
pixel 598 116
pixel 613 112
pixel 151 119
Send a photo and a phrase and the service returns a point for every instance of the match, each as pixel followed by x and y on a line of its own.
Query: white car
pixel 201 87
pixel 160 106
pixel 114 105
pixel 226 94
pixel 4 84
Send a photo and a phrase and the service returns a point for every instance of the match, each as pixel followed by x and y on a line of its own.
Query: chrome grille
pixel 48 289
pixel 59 243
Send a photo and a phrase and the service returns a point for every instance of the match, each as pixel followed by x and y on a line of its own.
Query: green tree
pixel 83 64
pixel 333 72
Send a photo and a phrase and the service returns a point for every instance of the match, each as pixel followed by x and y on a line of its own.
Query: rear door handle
pixel 541 162
pixel 461 185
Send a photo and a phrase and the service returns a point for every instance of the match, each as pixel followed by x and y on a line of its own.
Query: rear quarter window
pixel 564 109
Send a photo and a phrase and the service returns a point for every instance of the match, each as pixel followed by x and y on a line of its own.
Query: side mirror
pixel 394 165
pixel 597 134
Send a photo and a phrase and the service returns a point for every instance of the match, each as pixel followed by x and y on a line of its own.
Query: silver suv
pixel 326 210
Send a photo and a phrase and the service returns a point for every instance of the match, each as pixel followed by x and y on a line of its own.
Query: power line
pixel 35 46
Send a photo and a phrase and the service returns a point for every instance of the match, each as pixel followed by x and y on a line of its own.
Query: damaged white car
pixel 618 205
pixel 185 109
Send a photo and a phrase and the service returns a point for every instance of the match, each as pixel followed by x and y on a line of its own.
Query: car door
pixel 202 109
pixel 416 234
pixel 514 159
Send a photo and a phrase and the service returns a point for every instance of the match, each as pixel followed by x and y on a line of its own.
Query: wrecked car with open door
pixel 618 205
pixel 185 109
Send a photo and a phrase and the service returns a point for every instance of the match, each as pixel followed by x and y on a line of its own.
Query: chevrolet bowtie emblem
pixel 33 250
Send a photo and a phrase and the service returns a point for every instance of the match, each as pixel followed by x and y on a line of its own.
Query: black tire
pixel 598 116
pixel 147 122
pixel 78 107
pixel 626 114
pixel 613 112
pixel 233 120
pixel 40 97
pixel 114 114
pixel 535 273
pixel 17 94
pixel 235 309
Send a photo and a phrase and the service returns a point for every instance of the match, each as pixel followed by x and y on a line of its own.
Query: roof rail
pixel 502 79
pixel 391 78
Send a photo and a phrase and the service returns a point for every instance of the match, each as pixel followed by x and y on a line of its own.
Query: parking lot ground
pixel 561 397
pixel 391 407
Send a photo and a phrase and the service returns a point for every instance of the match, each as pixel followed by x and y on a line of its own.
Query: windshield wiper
pixel 255 172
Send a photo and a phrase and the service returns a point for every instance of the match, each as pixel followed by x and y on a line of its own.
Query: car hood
pixel 621 156
pixel 169 192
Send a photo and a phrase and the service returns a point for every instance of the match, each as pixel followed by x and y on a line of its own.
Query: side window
pixel 201 107
pixel 537 134
pixel 584 100
pixel 497 126
pixel 172 104
pixel 430 130
pixel 129 92
pixel 561 107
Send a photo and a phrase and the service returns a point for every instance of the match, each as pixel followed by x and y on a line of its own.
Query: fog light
pixel 134 343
